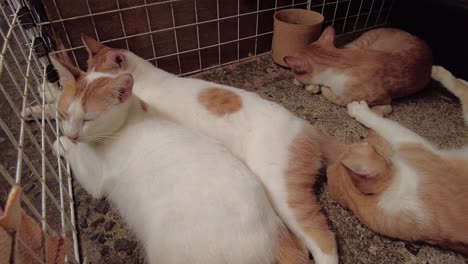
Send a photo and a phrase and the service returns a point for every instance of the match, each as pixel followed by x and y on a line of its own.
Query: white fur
pixel 71 126
pixel 259 134
pixel 93 75
pixel 403 194
pixel 336 81
pixel 188 199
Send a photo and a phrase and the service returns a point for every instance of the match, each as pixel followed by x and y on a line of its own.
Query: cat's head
pixel 103 58
pixel 362 171
pixel 92 106
pixel 305 63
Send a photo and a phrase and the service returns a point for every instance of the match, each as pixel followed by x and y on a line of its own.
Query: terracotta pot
pixel 294 29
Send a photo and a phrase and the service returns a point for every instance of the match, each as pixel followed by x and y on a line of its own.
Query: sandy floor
pixel 434 113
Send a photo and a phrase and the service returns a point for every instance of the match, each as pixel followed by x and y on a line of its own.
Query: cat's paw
pixel 62 146
pixel 298 83
pixel 355 109
pixel 439 73
pixel 313 88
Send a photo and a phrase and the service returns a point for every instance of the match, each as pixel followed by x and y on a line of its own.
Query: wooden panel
pixel 169 64
pixel 228 29
pixel 102 5
pixel 265 22
pixel 108 26
pixel 187 38
pixel 135 21
pixel 84 24
pixel 160 16
pixel 206 10
pixel 228 52
pixel 184 12
pixel 72 8
pixel 226 8
pixel 209 57
pixel 189 62
pixel 247 25
pixel 264 43
pixel 141 46
pixel 246 48
pixel 208 34
pixel 164 42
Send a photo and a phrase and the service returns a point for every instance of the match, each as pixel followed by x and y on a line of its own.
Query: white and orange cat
pixel 380 65
pixel 188 199
pixel 279 147
pixel 399 184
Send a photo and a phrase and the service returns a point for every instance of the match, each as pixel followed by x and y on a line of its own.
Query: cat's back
pixel 443 185
pixel 389 40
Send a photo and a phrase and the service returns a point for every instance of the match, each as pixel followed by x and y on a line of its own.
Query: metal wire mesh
pixel 26 158
pixel 187 36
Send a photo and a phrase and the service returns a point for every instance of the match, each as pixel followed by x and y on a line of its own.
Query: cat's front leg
pixel 313 88
pixel 391 131
pixel 35 112
pixel 86 165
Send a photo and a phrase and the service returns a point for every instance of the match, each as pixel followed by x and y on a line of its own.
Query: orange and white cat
pixel 380 65
pixel 400 185
pixel 187 198
pixel 279 147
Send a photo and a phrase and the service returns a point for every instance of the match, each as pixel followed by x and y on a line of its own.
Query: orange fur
pixel 442 191
pixel 219 101
pixel 304 163
pixel 382 64
pixel 290 249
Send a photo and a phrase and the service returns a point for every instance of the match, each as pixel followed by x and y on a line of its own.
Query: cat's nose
pixel 72 137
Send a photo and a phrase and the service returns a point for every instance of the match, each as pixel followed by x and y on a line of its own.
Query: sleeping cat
pixel 400 185
pixel 280 148
pixel 188 199
pixel 380 65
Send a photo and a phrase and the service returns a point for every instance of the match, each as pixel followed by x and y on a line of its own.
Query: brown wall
pixel 188 35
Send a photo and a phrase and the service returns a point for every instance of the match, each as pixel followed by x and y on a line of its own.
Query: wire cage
pixel 180 36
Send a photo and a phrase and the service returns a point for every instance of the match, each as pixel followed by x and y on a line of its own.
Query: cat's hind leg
pixel 456 86
pixel 391 131
pixel 332 97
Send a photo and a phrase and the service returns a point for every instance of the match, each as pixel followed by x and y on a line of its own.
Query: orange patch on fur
pixel 220 101
pixel 304 164
pixel 290 249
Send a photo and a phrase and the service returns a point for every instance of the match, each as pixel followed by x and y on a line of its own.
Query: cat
pixel 279 147
pixel 400 185
pixel 457 86
pixel 188 199
pixel 380 65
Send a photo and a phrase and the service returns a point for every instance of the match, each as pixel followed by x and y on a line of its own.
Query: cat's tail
pixel 330 147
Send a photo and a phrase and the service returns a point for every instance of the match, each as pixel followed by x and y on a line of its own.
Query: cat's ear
pixel 328 37
pixel 68 73
pixel 116 59
pixel 120 88
pixel 297 64
pixel 367 168
pixel 92 46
